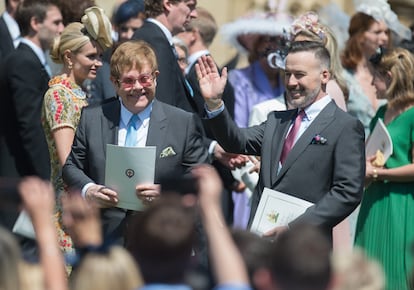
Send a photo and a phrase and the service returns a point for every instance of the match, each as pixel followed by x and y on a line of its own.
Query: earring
pixel 70 66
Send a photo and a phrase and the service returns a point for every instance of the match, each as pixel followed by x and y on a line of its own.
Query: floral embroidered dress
pixel 62 106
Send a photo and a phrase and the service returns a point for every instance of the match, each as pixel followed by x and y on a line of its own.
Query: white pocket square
pixel 168 151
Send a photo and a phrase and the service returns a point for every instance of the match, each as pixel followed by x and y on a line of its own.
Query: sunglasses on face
pixel 145 80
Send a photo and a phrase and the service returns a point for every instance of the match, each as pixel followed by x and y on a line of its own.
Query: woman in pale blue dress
pixel 366 35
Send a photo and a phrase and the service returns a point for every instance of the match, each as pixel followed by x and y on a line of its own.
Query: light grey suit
pixel 331 175
pixel 98 126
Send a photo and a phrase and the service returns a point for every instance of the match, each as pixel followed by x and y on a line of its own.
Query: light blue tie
pixel 189 88
pixel 132 131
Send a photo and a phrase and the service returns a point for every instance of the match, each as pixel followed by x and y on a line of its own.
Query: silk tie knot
pixel 133 121
pixel 290 139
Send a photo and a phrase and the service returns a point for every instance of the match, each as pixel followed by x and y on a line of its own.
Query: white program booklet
pixel 23 226
pixel 379 139
pixel 277 209
pixel 126 167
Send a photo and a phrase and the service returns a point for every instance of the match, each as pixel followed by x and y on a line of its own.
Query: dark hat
pixel 127 10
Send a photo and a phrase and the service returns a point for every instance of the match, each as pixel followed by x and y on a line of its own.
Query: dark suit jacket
pixel 228 98
pixel 23 147
pixel 101 87
pixel 228 94
pixel 6 43
pixel 171 87
pixel 330 175
pixel 98 126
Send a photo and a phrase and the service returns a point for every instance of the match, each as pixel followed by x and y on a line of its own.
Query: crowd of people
pixel 77 86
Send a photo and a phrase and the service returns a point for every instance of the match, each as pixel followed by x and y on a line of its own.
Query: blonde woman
pixel 107 269
pixel 9 261
pixel 79 49
pixel 99 266
pixel 355 271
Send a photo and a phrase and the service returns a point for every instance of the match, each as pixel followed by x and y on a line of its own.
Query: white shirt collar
pixel 13 28
pixel 37 50
pixel 314 109
pixel 163 28
pixel 194 57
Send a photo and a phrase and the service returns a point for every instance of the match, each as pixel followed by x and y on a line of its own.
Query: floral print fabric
pixel 62 107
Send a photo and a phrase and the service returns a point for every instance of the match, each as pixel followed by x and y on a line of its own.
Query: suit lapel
pixel 110 123
pixel 157 125
pixel 7 40
pixel 25 49
pixel 325 117
pixel 198 99
pixel 278 139
pixel 188 105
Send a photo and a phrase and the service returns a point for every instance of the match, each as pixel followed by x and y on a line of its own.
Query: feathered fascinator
pixel 242 32
pixel 337 20
pixel 98 26
pixel 308 21
pixel 381 10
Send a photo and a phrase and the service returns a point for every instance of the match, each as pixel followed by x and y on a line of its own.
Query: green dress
pixel 385 227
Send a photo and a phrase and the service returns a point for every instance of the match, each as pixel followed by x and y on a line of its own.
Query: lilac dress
pixel 251 87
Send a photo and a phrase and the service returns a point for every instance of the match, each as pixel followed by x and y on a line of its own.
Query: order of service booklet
pixel 379 139
pixel 23 226
pixel 277 209
pixel 126 167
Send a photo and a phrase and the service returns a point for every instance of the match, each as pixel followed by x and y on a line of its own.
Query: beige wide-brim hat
pixel 243 32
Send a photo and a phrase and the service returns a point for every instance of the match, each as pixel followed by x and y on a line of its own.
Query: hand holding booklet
pixel 277 209
pixel 379 139
pixel 125 168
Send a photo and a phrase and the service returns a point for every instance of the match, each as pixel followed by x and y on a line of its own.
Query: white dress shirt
pixel 13 28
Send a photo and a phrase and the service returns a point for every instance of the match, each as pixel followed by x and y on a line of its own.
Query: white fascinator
pixel 381 10
pixel 98 26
